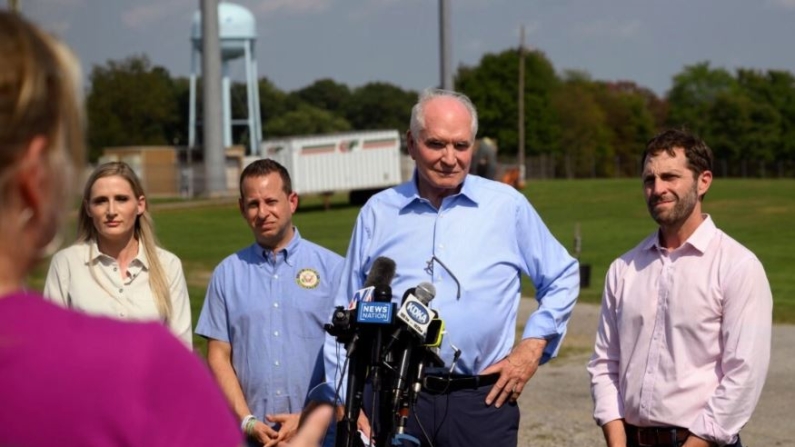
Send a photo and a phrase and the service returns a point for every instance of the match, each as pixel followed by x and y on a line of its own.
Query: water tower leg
pixel 255 91
pixel 226 88
pixel 250 87
pixel 192 101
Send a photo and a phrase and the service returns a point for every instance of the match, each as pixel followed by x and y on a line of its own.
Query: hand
pixel 515 370
pixel 289 425
pixel 363 424
pixel 262 433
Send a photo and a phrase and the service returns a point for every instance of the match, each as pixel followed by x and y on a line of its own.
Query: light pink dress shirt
pixel 684 336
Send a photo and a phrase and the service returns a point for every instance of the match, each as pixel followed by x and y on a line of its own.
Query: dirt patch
pixel 556 405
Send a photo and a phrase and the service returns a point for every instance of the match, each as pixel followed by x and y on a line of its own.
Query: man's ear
pixel 411 145
pixel 704 181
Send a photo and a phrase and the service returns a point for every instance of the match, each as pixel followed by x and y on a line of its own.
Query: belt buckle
pixel 645 437
pixel 432 384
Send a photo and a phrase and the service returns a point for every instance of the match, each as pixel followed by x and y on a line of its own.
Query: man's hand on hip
pixel 515 370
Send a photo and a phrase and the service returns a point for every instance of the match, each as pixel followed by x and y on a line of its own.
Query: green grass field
pixel 611 215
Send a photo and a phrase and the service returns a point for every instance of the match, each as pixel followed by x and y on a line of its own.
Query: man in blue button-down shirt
pixel 265 308
pixel 486 234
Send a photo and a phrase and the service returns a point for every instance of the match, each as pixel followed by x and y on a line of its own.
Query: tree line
pixel 593 128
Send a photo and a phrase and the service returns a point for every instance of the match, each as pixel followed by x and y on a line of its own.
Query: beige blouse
pixel 70 284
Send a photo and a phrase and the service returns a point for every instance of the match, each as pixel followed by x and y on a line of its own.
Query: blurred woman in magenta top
pixel 69 379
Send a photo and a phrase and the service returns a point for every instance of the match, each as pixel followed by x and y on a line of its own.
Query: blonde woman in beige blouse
pixel 115 267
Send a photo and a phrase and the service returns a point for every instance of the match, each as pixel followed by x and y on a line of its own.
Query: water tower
pixel 237 32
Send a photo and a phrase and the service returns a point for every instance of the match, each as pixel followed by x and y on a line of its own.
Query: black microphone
pixel 416 316
pixel 373 308
pixel 381 273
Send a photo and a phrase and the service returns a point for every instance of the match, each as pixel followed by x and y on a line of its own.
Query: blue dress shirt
pixel 271 309
pixel 487 235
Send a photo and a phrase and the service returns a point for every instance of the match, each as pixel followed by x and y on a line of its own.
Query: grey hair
pixel 417 123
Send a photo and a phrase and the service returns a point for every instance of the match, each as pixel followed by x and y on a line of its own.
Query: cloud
pixel 58 3
pixel 370 8
pixel 141 16
pixel 272 7
pixel 531 27
pixel 59 27
pixel 786 4
pixel 608 28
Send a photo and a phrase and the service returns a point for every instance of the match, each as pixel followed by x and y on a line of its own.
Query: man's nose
pixel 448 155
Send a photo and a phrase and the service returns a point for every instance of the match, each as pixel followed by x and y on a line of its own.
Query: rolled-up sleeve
pixel 556 276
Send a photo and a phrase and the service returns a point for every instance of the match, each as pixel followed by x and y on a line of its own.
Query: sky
pixel 397 41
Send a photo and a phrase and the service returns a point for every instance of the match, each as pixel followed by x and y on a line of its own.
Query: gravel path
pixel 556 405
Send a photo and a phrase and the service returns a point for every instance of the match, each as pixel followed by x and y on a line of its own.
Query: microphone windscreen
pixel 381 273
pixel 425 292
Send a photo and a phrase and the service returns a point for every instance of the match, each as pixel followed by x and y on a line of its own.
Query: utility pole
pixel 214 158
pixel 521 123
pixel 445 46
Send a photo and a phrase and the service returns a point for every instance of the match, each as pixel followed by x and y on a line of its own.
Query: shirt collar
pixel 410 194
pixel 289 251
pixel 699 240
pixel 93 254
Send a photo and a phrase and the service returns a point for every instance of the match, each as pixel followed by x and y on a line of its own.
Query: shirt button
pixel 276 333
pixel 122 314
pixel 115 269
pixel 276 276
pixel 275 304
pixel 441 246
pixel 278 392
pixel 276 363
pixel 121 290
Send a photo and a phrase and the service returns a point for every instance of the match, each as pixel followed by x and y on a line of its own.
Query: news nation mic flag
pixel 361 295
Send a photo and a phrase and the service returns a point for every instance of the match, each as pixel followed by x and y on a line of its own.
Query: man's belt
pixel 655 436
pixel 456 382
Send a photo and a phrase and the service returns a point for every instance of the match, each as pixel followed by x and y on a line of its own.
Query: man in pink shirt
pixel 683 344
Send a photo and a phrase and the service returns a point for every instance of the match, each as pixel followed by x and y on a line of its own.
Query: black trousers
pixel 462 418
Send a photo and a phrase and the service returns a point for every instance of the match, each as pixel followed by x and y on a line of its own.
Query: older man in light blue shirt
pixel 265 309
pixel 444 224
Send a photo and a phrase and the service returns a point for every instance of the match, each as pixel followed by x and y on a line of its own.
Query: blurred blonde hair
pixel 144 232
pixel 40 96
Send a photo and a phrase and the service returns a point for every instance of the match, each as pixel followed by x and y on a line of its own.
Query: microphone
pixel 373 309
pixel 381 273
pixel 376 296
pixel 414 311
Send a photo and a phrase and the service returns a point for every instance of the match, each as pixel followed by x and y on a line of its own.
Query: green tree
pixel 273 103
pixel 741 130
pixel 584 135
pixel 493 84
pixel 305 120
pixel 775 88
pixel 325 94
pixel 130 103
pixel 694 93
pixel 379 105
pixel 630 122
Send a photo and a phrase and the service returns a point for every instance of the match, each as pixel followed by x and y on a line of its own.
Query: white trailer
pixel 358 162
